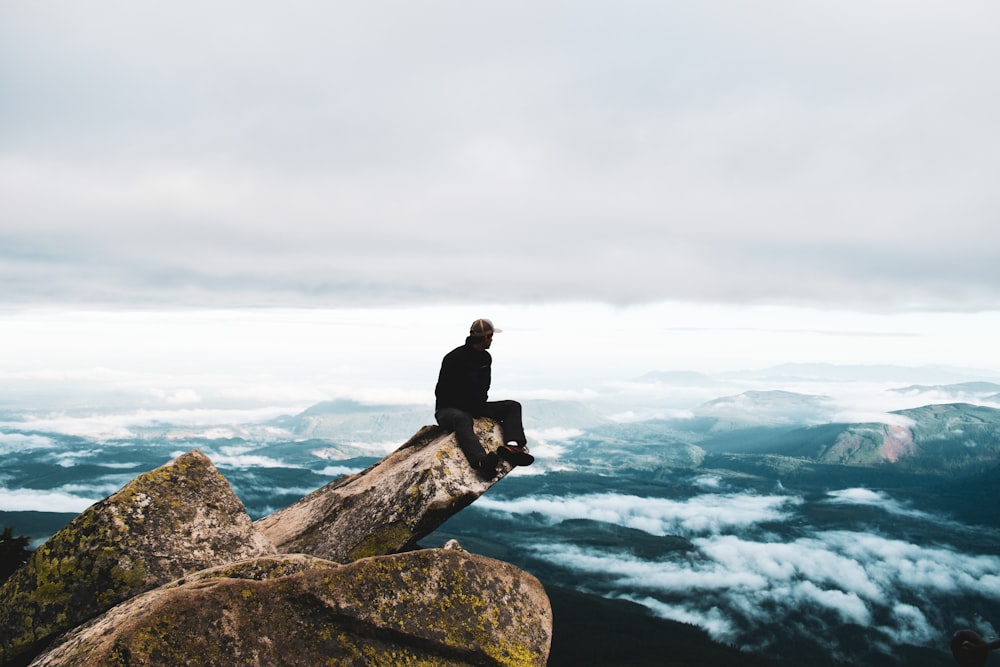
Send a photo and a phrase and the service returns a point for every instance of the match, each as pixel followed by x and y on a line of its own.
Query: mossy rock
pixel 179 518
pixel 390 506
pixel 429 607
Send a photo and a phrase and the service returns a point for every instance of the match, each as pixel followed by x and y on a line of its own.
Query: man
pixel 462 388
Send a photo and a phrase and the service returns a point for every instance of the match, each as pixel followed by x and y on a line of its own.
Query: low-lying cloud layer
pixel 877 499
pixel 34 500
pixel 755 564
pixel 708 513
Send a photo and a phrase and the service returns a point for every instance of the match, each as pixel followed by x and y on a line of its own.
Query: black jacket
pixel 464 380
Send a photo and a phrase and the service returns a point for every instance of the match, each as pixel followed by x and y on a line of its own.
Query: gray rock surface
pixel 388 507
pixel 429 607
pixel 177 519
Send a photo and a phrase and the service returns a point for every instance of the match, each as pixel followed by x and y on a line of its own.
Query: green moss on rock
pixel 176 519
pixel 382 540
pixel 433 607
pixel 390 506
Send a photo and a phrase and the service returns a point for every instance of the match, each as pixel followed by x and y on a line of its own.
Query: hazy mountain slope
pixel 344 419
pixel 766 408
pixel 956 389
pixel 353 421
pixel 951 439
pixel 783 374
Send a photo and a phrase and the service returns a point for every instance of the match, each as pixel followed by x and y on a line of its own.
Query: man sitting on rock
pixel 461 391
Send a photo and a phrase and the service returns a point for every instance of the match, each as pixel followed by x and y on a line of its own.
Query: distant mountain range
pixel 949 439
pixel 943 440
pixel 940 439
pixel 773 408
pixel 351 421
pixel 865 372
pixel 988 391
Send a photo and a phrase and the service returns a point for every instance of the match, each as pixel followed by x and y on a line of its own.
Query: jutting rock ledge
pixel 388 507
pixel 171 570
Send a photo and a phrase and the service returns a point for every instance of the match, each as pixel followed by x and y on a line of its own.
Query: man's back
pixel 464 380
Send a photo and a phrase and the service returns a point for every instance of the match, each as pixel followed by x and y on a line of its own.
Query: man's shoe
pixel 486 466
pixel 515 454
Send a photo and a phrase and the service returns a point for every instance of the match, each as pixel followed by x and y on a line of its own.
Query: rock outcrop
pixel 177 519
pixel 430 607
pixel 170 570
pixel 388 507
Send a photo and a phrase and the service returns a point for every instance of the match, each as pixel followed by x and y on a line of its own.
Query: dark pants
pixel 506 413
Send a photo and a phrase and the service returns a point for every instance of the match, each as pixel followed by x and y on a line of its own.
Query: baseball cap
pixel 483 328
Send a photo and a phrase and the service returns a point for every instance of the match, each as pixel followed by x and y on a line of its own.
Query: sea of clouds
pixel 757 564
pixel 758 561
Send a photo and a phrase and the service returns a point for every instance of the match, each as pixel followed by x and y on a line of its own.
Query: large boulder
pixel 435 606
pixel 177 519
pixel 391 505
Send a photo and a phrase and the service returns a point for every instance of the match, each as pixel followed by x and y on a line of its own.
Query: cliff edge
pixel 391 505
pixel 171 570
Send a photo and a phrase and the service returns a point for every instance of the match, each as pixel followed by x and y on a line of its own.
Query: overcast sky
pixel 345 154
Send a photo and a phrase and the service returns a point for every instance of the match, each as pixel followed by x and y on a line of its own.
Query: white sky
pixel 200 358
pixel 628 186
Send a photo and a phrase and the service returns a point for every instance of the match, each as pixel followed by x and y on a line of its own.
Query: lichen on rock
pixel 428 607
pixel 388 507
pixel 179 518
pixel 170 570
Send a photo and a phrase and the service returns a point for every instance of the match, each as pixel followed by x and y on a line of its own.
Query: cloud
pixel 20 442
pixel 709 482
pixel 71 458
pixel 710 513
pixel 929 568
pixel 549 444
pixel 555 434
pixel 808 559
pixel 241 457
pixel 743 577
pixel 736 588
pixel 102 488
pixel 377 448
pixel 338 471
pixel 103 426
pixel 848 606
pixel 910 626
pixel 33 500
pixel 871 416
pixel 304 155
pixel 714 620
pixel 859 496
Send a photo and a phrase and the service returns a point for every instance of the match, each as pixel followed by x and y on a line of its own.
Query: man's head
pixel 481 333
pixel 483 328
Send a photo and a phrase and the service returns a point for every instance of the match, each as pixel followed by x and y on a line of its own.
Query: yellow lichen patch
pixel 383 540
pixel 423 608
pixel 449 600
pixel 141 536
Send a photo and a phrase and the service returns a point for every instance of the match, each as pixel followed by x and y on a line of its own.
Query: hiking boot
pixel 516 455
pixel 486 466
